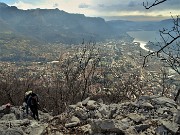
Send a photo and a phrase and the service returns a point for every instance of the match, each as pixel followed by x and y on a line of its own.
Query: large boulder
pixel 36 129
pixel 177 117
pixel 136 117
pixel 81 113
pixel 73 122
pixel 105 112
pixel 91 105
pixel 8 117
pixel 161 130
pixel 12 131
pixel 173 127
pixel 108 126
pixel 164 101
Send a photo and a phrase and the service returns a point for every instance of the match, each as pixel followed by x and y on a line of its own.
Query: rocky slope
pixel 149 115
pixel 15 122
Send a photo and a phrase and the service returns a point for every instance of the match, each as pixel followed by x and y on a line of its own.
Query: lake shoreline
pixel 142 44
pixel 143 37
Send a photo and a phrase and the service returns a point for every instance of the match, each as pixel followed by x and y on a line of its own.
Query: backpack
pixel 26 98
pixel 27 94
pixel 34 99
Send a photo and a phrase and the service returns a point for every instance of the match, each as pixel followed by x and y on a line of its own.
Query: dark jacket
pixel 32 101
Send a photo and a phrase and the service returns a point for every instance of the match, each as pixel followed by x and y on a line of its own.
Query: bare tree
pixel 168 50
pixel 70 79
pixel 79 69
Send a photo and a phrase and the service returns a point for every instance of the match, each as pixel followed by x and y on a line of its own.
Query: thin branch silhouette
pixel 156 2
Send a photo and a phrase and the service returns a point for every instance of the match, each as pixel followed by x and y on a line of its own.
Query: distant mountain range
pixel 140 26
pixel 54 25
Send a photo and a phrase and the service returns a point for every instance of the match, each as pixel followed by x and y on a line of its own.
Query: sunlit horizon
pixel 114 10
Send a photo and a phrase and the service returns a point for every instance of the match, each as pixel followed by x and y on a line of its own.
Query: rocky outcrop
pixel 14 121
pixel 152 115
pixel 149 115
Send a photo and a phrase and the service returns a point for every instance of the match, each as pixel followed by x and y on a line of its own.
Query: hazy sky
pixel 109 9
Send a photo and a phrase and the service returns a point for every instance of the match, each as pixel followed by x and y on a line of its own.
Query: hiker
pixel 31 100
pixel 6 109
pixel 27 94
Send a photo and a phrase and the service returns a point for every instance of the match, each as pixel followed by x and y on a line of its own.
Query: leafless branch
pixel 168 49
pixel 156 2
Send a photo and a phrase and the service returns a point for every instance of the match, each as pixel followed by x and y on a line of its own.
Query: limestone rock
pixel 72 106
pixel 104 111
pixel 75 119
pixel 173 127
pixel 37 129
pixel 13 131
pixel 131 131
pixel 147 105
pixel 84 102
pixel 86 129
pixel 70 125
pixel 148 115
pixel 73 122
pixel 164 101
pixel 79 104
pixel 108 126
pixel 10 116
pixel 161 130
pixel 141 127
pixel 91 105
pixel 81 113
pixel 177 117
pixel 135 117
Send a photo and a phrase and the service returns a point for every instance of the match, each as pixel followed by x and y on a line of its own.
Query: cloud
pixel 32 2
pixel 23 5
pixel 104 7
pixel 101 5
pixel 136 18
pixel 123 5
pixel 132 4
pixel 83 5
pixel 56 5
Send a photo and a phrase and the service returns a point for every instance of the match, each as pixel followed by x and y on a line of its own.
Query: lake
pixel 143 37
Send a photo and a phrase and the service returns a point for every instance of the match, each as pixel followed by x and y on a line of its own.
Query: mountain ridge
pixel 54 25
pixel 44 27
pixel 58 26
